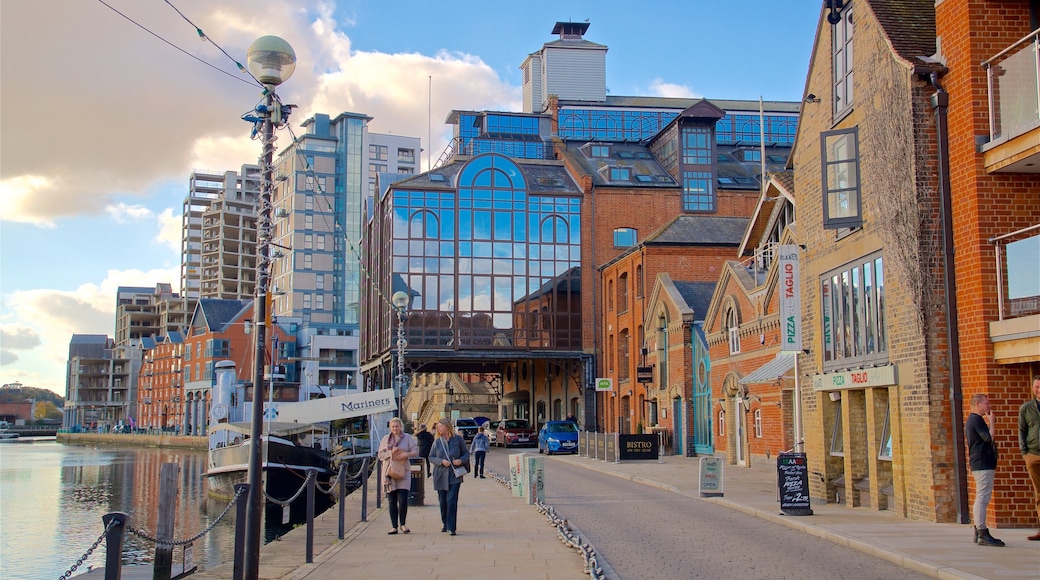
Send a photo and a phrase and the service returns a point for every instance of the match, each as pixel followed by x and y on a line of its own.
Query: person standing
pixel 396 448
pixel 479 447
pixel 1029 443
pixel 425 439
pixel 449 451
pixel 982 459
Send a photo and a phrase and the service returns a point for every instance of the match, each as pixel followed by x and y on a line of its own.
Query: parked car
pixel 491 430
pixel 466 427
pixel 515 433
pixel 558 437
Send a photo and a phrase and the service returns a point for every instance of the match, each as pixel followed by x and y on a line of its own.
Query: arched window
pixel 623 355
pixel 622 293
pixel 610 295
pixel 639 281
pixel 732 326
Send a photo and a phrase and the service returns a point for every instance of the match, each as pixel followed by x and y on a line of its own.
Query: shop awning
pixel 772 370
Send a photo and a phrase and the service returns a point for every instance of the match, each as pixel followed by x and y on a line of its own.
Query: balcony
pixel 1014 108
pixel 1016 332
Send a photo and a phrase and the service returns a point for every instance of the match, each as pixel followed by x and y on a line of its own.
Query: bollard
pixel 312 476
pixel 660 446
pixel 114 544
pixel 162 569
pixel 342 478
pixel 379 483
pixel 364 489
pixel 241 492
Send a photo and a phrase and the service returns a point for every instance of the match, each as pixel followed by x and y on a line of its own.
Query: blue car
pixel 558 437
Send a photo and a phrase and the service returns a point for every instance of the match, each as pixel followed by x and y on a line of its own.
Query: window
pixel 842 53
pixel 406 155
pixel 623 355
pixel 758 423
pixel 610 353
pixel 722 423
pixel 378 152
pixel 885 450
pixel 622 293
pixel 837 437
pixel 600 151
pixel 320 242
pixel 734 331
pixel 697 191
pixel 610 295
pixel 620 174
pixel 319 281
pixel 841 199
pixel 624 237
pixel 854 312
pixel 639 280
pixel 319 302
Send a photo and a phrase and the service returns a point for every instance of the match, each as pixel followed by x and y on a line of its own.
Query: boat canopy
pixel 273 428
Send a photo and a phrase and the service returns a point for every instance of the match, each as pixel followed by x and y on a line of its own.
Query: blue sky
pixel 96 152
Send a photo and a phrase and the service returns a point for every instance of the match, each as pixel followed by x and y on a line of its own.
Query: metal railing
pixel 1013 81
pixel 1018 282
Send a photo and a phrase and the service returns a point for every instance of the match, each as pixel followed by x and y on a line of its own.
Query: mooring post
pixel 114 544
pixel 312 476
pixel 364 489
pixel 163 567
pixel 342 479
pixel 241 492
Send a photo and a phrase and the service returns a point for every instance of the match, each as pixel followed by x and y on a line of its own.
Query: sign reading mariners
pixel 790 300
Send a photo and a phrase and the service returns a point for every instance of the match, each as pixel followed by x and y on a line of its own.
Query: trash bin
pixel 418 475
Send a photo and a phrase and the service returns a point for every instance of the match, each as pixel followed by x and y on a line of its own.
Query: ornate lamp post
pixel 271 60
pixel 400 301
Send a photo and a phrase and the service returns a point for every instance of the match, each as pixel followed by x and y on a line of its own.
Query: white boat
pixel 6 435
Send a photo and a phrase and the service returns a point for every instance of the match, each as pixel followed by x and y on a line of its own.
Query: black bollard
pixel 312 476
pixel 342 479
pixel 379 484
pixel 241 492
pixel 364 489
pixel 162 569
pixel 114 544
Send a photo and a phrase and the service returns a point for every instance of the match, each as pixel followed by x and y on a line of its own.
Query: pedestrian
pixel 397 447
pixel 449 452
pixel 479 447
pixel 982 459
pixel 425 439
pixel 1029 443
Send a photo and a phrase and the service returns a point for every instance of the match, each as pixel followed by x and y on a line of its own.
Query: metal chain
pixel 143 534
pixel 283 503
pixel 89 551
pixel 567 536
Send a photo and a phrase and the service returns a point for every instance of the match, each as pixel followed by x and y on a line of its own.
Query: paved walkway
pixel 505 536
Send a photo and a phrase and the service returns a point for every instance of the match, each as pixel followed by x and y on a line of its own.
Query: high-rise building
pixel 143 312
pixel 218 235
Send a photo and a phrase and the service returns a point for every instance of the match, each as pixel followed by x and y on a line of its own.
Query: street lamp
pixel 271 60
pixel 400 301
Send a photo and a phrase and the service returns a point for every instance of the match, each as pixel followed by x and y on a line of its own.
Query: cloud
pixel 660 88
pixel 123 213
pixel 18 337
pixel 169 226
pixel 7 357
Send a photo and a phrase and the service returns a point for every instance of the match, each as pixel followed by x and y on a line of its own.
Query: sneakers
pixel 985 539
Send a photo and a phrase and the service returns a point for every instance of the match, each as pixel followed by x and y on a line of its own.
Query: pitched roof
pixel 700 229
pixel 218 312
pixel 908 24
pixel 697 296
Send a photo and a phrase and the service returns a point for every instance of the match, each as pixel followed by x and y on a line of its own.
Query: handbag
pixel 391 468
pixel 459 470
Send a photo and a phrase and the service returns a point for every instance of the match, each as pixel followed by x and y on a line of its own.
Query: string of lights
pixel 205 38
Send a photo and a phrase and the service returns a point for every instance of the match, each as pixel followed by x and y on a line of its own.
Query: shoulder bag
pixel 393 469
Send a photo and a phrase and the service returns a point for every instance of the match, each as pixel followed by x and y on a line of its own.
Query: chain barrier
pixel 89 551
pixel 145 535
pixel 283 503
pixel 566 534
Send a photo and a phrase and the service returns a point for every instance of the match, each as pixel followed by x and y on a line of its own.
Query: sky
pixel 103 119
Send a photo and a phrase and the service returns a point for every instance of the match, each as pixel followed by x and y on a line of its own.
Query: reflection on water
pixel 52 497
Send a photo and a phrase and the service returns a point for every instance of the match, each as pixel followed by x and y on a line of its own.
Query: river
pixel 52 497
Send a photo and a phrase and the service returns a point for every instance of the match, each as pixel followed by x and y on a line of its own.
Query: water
pixel 52 497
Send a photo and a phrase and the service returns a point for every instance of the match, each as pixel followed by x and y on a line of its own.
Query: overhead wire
pixel 206 38
pixel 146 29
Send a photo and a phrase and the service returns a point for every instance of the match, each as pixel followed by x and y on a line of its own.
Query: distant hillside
pixel 16 393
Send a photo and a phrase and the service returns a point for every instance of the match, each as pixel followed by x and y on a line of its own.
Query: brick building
pixel 989 50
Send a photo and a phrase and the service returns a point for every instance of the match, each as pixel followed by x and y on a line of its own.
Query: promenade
pixel 501 535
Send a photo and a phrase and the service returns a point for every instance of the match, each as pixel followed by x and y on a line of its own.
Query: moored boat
pixel 6 435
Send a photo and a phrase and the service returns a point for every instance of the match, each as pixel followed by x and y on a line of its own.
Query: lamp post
pixel 400 301
pixel 271 60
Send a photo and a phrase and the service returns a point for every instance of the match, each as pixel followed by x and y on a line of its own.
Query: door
pixel 741 424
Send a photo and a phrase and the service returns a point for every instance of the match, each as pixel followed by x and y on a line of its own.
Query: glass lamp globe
pixel 271 60
pixel 399 299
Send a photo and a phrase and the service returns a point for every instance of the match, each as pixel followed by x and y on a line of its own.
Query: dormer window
pixel 600 151
pixel 620 174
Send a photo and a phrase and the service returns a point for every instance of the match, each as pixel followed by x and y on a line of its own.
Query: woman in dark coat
pixel 449 451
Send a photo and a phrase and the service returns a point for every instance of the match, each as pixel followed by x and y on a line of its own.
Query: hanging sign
pixel 604 384
pixel 790 300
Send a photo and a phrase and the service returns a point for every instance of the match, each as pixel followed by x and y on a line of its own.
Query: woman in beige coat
pixel 395 450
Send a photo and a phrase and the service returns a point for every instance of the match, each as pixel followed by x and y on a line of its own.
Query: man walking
pixel 982 458
pixel 1029 443
pixel 425 440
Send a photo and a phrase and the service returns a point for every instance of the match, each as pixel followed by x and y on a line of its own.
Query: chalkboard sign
pixel 792 477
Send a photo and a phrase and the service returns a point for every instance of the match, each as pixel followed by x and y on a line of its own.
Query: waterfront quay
pixel 134 440
pixel 501 535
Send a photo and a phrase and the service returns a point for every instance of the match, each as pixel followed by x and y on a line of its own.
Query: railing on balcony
pixel 1013 78
pixel 1018 272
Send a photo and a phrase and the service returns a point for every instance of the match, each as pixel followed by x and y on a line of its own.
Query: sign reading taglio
pixel 790 300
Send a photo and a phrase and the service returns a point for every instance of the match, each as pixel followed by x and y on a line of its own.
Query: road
pixel 644 532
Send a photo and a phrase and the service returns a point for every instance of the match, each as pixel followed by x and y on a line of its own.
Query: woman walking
pixel 479 447
pixel 396 448
pixel 448 453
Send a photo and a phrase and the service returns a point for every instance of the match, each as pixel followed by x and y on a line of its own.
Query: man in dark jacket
pixel 982 458
pixel 425 439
